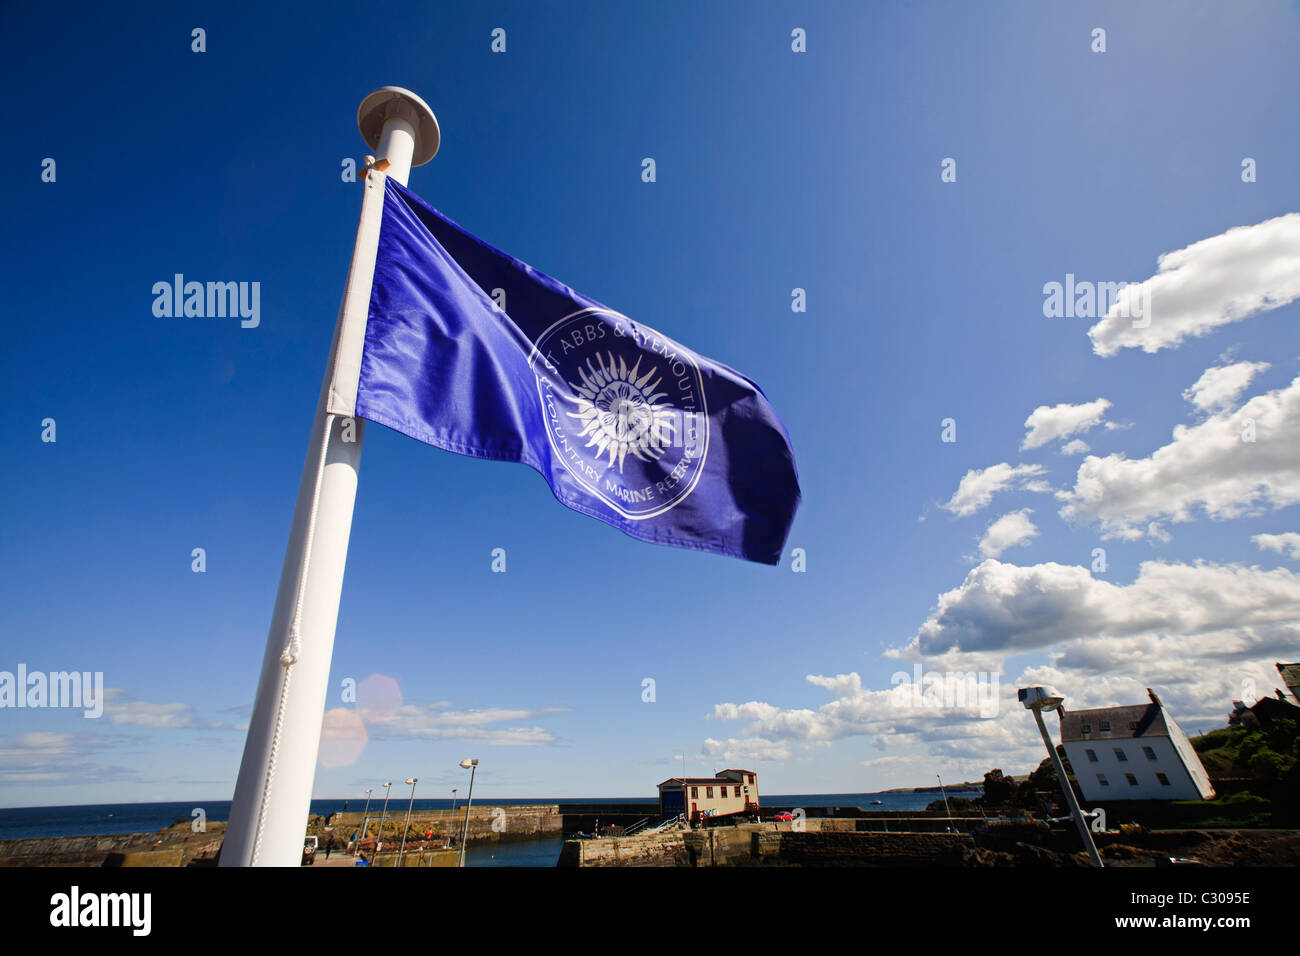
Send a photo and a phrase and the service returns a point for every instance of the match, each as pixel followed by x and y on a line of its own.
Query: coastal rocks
pixel 832 848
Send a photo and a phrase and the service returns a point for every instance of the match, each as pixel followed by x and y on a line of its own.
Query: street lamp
pixel 365 819
pixel 1039 699
pixel 946 809
pixel 379 838
pixel 401 850
pixel 470 764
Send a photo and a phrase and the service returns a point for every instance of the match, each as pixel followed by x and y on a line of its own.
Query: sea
pixel 21 822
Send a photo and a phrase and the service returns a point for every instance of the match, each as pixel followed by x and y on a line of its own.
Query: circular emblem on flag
pixel 624 410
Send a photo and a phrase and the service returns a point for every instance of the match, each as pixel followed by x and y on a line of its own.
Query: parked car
pixel 309 847
pixel 783 815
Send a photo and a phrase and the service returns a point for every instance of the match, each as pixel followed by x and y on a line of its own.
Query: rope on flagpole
pixel 289 656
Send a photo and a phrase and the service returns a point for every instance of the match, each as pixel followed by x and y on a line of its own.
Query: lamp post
pixel 1039 699
pixel 946 809
pixel 379 837
pixel 406 826
pixel 365 819
pixel 452 822
pixel 470 764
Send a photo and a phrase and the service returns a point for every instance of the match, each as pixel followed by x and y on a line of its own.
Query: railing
pixel 672 821
pixel 634 828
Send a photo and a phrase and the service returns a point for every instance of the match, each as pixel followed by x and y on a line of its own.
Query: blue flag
pixel 475 352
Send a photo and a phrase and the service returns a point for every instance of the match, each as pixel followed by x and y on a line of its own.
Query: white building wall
pixel 1181 785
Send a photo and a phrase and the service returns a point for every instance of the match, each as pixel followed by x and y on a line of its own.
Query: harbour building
pixel 1133 753
pixel 726 793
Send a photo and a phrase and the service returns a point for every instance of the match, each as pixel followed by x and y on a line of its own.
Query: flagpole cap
pixel 394 102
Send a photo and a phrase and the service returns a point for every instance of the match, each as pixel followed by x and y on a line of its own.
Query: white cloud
pixel 46 758
pixel 1207 467
pixel 1076 447
pixel 140 713
pixel 123 710
pixel 1200 634
pixel 1218 387
pixel 1048 423
pixel 471 726
pixel 965 743
pixel 1007 532
pixel 978 486
pixel 1215 610
pixel 744 753
pixel 1287 543
pixel 1210 283
pixel 852 711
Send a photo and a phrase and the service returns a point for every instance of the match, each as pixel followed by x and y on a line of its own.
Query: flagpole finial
pixel 390 103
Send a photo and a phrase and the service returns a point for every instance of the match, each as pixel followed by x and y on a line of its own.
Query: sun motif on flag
pixel 621 413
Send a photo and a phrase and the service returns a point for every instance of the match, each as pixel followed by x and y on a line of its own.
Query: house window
pixel 1101 779
pixel 1164 781
pixel 1105 725
pixel 695 793
pixel 1092 755
pixel 1133 725
pixel 1132 780
pixel 708 793
pixel 1120 755
pixel 1086 729
pixel 1151 754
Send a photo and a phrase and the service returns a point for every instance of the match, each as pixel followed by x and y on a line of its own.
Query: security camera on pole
pixel 1039 699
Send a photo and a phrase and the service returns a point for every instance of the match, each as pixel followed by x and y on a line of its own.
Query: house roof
pixel 1290 674
pixel 1140 720
pixel 698 781
pixel 1271 708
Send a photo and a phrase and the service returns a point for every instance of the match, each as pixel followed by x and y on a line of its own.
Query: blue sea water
pixel 19 822
pixel 544 852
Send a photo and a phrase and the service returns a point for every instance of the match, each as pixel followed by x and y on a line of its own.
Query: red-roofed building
pixel 726 793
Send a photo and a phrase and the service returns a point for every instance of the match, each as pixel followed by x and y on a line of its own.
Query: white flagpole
pixel 268 816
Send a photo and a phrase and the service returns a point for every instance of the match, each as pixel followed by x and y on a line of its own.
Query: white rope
pixel 289 656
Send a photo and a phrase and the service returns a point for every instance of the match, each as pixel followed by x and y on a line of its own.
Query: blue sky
pixel 775 170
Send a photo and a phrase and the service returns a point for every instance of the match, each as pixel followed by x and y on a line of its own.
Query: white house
pixel 1133 753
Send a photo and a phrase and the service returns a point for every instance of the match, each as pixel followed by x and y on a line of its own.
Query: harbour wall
pixel 819 843
pixel 179 845
pixel 487 824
